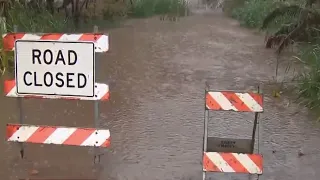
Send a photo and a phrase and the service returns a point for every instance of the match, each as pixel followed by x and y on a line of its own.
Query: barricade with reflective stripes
pixel 101 93
pixel 58 135
pixel 232 101
pixel 232 162
pixel 101 41
pixel 231 157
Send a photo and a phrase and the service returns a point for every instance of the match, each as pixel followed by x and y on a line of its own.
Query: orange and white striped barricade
pixel 56 66
pixel 227 155
pixel 100 40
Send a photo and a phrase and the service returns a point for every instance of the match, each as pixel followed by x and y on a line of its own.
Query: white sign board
pixel 55 68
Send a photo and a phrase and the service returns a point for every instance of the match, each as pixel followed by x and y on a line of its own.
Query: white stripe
pixel 100 91
pixel 251 167
pixel 59 135
pixel 250 102
pixel 97 138
pixel 102 44
pixel 12 92
pixel 70 37
pixel 222 101
pixel 219 162
pixel 23 133
pixel 31 37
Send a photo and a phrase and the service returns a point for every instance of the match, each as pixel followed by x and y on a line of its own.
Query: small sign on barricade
pixel 56 66
pixel 227 155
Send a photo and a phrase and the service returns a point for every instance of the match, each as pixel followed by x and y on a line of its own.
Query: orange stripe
pixel 8 86
pixel 41 134
pixel 208 164
pixel 105 97
pixel 258 98
pixel 211 103
pixel 233 162
pixel 236 101
pixel 51 36
pixel 106 143
pixel 11 129
pixel 78 136
pixel 90 37
pixel 257 159
pixel 9 40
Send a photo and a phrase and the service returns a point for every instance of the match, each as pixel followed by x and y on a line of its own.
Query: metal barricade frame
pixel 227 155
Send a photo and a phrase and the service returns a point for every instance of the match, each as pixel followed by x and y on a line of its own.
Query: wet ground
pixel 157 71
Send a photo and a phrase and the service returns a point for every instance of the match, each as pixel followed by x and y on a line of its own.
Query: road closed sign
pixel 55 68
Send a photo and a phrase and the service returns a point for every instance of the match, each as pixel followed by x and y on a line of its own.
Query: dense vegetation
pixel 290 22
pixel 37 18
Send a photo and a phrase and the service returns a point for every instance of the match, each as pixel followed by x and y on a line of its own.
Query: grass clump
pixel 147 8
pixel 252 13
pixel 309 80
pixel 37 20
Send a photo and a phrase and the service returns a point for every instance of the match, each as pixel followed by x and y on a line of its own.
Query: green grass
pixel 309 80
pixel 252 13
pixel 30 20
pixel 147 8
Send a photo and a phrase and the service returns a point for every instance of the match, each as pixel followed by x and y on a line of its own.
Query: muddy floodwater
pixel 157 72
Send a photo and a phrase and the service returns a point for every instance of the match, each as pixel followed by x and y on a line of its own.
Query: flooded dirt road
pixel 157 71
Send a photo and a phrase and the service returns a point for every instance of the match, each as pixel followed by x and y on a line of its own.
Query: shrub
pixel 146 8
pixel 252 13
pixel 309 81
pixel 302 26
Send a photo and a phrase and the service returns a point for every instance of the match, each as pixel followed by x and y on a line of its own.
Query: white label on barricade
pixel 55 68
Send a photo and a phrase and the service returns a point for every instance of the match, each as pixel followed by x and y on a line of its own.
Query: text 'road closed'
pixel 55 68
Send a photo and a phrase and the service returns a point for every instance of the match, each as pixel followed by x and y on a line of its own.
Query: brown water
pixel 156 71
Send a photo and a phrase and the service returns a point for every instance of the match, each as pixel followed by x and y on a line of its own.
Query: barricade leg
pixel 96 152
pixel 20 109
pixel 205 129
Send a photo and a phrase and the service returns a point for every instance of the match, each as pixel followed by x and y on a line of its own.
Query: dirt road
pixel 156 71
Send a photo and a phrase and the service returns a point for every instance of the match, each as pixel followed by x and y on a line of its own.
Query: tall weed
pixel 309 80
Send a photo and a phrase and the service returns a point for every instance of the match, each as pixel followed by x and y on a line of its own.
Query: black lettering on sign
pixel 36 55
pixel 60 58
pixel 69 79
pixel 25 78
pixel 72 61
pixel 227 144
pixel 35 79
pixel 59 76
pixel 59 79
pixel 47 56
pixel 84 82
pixel 48 79
pixel 56 79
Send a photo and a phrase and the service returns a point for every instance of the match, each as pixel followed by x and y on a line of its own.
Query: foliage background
pixel 104 13
pixel 253 13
